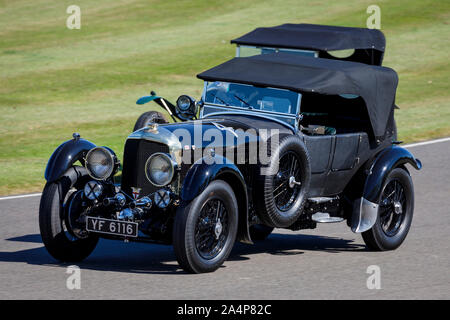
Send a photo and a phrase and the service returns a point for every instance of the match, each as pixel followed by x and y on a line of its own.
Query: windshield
pixel 250 97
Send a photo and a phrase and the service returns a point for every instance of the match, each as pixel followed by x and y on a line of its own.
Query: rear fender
pixel 365 209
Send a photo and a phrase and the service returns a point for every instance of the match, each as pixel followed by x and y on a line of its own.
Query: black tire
pixel 193 222
pixel 149 117
pixel 59 242
pixel 291 151
pixel 391 228
pixel 259 232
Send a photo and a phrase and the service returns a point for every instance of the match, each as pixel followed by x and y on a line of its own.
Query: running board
pixel 323 217
pixel 318 200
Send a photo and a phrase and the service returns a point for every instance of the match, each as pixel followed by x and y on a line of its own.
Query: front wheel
pixel 59 238
pixel 395 213
pixel 205 229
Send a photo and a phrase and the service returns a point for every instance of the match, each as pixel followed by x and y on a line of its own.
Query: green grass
pixel 55 81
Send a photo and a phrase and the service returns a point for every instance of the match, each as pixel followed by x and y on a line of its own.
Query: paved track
pixel 329 262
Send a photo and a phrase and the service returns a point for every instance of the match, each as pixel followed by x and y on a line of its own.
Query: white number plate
pixel 120 228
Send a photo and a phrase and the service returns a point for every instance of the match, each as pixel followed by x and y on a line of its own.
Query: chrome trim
pixel 297 114
pixel 166 107
pixel 280 114
pixel 364 216
pixel 161 135
pixel 145 202
pixel 205 85
pixel 110 170
pixel 323 217
pixel 252 114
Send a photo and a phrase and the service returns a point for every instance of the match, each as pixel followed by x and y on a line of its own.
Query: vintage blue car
pixel 287 137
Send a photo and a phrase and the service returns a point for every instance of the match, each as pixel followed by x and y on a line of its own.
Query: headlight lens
pixel 159 169
pixel 162 198
pixel 100 163
pixel 93 190
pixel 184 103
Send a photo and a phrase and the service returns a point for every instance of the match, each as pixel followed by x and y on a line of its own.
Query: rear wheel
pixel 205 229
pixel 60 240
pixel 149 117
pixel 395 213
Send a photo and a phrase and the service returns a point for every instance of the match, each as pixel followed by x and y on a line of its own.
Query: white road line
pixel 21 196
pixel 411 145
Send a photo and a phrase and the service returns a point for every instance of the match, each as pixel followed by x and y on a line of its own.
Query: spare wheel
pixel 283 183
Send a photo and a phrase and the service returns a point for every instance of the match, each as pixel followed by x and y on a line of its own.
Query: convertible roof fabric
pixel 376 85
pixel 314 37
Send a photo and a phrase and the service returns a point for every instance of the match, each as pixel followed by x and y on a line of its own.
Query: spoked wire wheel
pixel 205 228
pixel 287 181
pixel 392 207
pixel 281 189
pixel 395 212
pixel 211 230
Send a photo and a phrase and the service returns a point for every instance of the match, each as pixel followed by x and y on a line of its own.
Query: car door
pixel 320 149
pixel 345 151
pixel 344 162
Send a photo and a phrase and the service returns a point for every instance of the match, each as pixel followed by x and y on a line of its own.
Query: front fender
pixel 208 169
pixel 65 156
pixel 205 170
pixel 365 209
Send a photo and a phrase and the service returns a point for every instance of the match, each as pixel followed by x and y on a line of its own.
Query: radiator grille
pixel 136 153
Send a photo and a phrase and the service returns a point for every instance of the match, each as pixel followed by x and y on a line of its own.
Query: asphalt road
pixel 329 262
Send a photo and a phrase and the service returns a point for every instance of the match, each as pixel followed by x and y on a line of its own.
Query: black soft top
pixel 374 84
pixel 369 43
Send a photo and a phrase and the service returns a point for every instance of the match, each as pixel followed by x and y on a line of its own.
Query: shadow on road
pixel 159 259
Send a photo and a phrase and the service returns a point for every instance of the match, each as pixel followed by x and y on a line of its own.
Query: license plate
pixel 120 228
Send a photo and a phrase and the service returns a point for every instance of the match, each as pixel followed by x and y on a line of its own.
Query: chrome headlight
pixel 160 169
pixel 101 163
pixel 184 103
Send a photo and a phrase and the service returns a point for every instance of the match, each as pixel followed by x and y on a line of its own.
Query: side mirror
pixel 187 108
